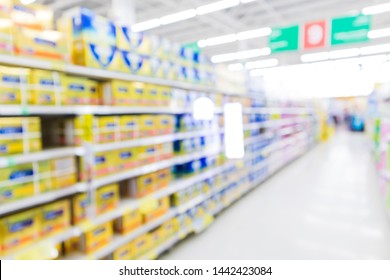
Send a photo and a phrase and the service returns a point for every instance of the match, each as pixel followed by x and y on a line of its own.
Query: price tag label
pixel 11 162
pixel 148 204
pixel 25 111
pixel 42 251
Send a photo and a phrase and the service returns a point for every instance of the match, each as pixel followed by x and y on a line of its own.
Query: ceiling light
pixel 146 25
pixel 375 49
pixel 377 9
pixel 249 54
pixel 216 6
pixel 261 64
pixel 379 33
pixel 236 67
pixel 255 33
pixel 187 14
pixel 223 57
pixel 27 2
pixel 247 1
pixel 312 57
pixel 217 40
pixel 344 53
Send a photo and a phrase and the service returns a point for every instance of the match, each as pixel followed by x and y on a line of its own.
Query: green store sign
pixel 352 29
pixel 284 39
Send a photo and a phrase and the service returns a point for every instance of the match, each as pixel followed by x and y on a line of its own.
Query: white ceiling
pixel 256 14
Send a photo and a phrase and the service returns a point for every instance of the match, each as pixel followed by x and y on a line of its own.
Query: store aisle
pixel 325 205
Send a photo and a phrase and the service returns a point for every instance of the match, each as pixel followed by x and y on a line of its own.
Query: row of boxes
pixel 19 230
pixel 25 180
pixel 121 128
pixel 20 135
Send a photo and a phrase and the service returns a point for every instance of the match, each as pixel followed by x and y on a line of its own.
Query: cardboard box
pixel 140 186
pixel 19 230
pixel 128 222
pixel 80 203
pixel 142 244
pixel 45 87
pixel 64 172
pixel 152 95
pixel 125 252
pixel 127 159
pixel 105 163
pixel 80 91
pixel 163 207
pixel 42 44
pixel 133 63
pixel 147 154
pixel 148 125
pixel 117 93
pixel 96 238
pixel 129 127
pixel 33 15
pixel 55 217
pixel 107 198
pixel 166 124
pixel 12 80
pixel 137 42
pixel 164 177
pixel 106 129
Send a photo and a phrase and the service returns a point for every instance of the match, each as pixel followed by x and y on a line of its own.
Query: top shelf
pixel 101 74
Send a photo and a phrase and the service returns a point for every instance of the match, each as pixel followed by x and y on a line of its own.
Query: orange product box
pixel 163 207
pixel 164 177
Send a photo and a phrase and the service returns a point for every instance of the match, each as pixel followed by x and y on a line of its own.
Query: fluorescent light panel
pixel 235 67
pixel 344 53
pixel 375 49
pixel 376 9
pixel 311 57
pixel 146 25
pixel 255 33
pixel 180 16
pixel 240 55
pixel 216 6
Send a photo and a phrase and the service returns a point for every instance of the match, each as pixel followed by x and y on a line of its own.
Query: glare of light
pixel 4 23
pixel 203 109
pixel 146 25
pixel 249 54
pixel 236 67
pixel 345 53
pixel 261 64
pixel 376 9
pixel 375 49
pixel 214 41
pixel 379 33
pixel 216 6
pixel 234 132
pixel 255 33
pixel 258 72
pixel 223 57
pixel 312 57
pixel 240 55
pixel 180 16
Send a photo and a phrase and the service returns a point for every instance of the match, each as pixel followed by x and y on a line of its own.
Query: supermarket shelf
pixel 41 198
pixel 151 168
pixel 17 110
pixel 153 140
pixel 96 73
pixel 12 160
pixel 287 110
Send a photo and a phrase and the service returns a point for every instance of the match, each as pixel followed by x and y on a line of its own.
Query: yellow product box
pixel 127 158
pixel 163 207
pixel 128 222
pixel 136 64
pixel 152 95
pixel 129 127
pixel 12 79
pixel 17 146
pixel 157 67
pixel 96 56
pixel 117 93
pixel 6 7
pixel 42 44
pixel 166 124
pixel 105 163
pixel 137 42
pixel 9 193
pixel 16 182
pixel 125 252
pixel 33 15
pixel 142 244
pixel 6 29
pixel 55 217
pixel 138 92
pixel 64 172
pixel 164 177
pixel 147 154
pixel 80 203
pixel 96 238
pixel 148 126
pixel 106 129
pixel 107 198
pixel 140 186
pixel 45 87
pixel 166 96
pixel 156 237
pixel 19 230
pixel 164 151
pixel 80 91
